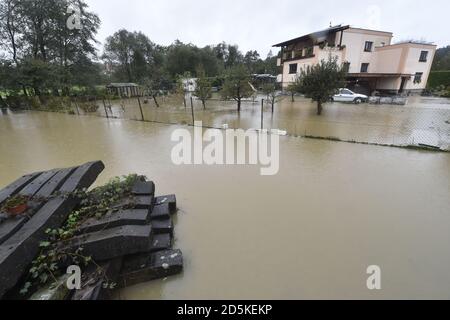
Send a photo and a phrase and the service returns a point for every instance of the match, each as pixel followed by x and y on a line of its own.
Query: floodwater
pixel 421 121
pixel 309 232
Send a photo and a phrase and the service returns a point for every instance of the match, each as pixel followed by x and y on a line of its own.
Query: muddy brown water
pixel 421 121
pixel 309 232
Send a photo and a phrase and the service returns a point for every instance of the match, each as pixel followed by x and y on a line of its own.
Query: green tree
pixel 237 85
pixel 35 38
pixel 294 87
pixel 321 81
pixel 233 56
pixel 181 86
pixel 270 64
pixel 442 59
pixel 203 87
pixel 270 90
pixel 131 55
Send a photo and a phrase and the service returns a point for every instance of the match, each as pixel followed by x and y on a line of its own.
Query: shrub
pixel 439 78
pixel 89 107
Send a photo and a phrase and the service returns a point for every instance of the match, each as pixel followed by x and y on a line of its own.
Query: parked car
pixel 346 95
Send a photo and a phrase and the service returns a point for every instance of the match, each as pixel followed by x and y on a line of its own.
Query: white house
pixel 373 62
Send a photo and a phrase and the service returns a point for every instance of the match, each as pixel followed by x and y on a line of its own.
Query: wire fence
pixel 422 122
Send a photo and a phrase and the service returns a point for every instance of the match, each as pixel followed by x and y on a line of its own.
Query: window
pixel 423 56
pixel 418 77
pixel 309 51
pixel 293 68
pixel 368 47
pixel 345 91
pixel 346 66
pixel 364 67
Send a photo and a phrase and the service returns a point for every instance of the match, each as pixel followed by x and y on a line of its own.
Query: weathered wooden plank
pixel 112 243
pixel 54 183
pixel 162 226
pixel 83 177
pixel 16 186
pixel 144 267
pixel 136 202
pixel 170 199
pixel 160 212
pixel 116 219
pixel 143 188
pixel 45 187
pixel 160 242
pixel 34 186
pixel 11 226
pixel 53 292
pixel 92 287
pixel 17 252
pixel 21 248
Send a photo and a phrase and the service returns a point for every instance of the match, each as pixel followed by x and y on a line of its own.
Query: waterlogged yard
pixel 422 121
pixel 310 231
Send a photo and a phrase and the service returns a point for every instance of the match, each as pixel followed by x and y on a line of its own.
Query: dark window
pixel 293 68
pixel 418 77
pixel 423 56
pixel 368 47
pixel 309 51
pixel 346 66
pixel 364 67
pixel 348 92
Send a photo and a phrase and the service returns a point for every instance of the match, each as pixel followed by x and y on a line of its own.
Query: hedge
pixel 439 78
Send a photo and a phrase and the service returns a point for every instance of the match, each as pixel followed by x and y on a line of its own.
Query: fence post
pixel 140 108
pixel 192 110
pixel 262 114
pixel 106 111
pixel 76 106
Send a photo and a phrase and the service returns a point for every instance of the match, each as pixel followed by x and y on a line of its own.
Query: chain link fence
pixel 422 122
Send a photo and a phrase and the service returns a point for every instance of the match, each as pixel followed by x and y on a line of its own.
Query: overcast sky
pixel 258 24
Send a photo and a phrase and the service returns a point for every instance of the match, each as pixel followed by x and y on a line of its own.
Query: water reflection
pixel 423 120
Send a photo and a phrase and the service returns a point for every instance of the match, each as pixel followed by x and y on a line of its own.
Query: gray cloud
pixel 254 24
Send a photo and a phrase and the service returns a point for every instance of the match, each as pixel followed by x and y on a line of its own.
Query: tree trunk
pixel 3 103
pixel 204 104
pixel 156 101
pixel 292 96
pixel 319 108
pixel 37 91
pixel 239 105
pixel 273 106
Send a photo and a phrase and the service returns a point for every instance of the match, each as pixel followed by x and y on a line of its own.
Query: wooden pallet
pixel 51 201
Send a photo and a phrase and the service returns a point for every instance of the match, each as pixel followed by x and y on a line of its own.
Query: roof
pixel 121 85
pixel 314 35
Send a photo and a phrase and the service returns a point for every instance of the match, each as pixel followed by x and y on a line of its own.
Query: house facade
pixel 372 61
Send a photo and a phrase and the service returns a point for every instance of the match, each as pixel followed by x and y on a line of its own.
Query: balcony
pixel 318 51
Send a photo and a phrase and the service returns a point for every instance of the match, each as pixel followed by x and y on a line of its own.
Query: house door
pixel 402 85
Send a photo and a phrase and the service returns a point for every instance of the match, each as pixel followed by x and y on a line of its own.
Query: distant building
pixel 373 63
pixel 123 89
pixel 259 80
pixel 190 84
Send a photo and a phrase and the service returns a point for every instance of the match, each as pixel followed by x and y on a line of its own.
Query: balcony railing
pixel 306 54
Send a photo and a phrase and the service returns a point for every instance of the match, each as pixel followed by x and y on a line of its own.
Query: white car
pixel 346 95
